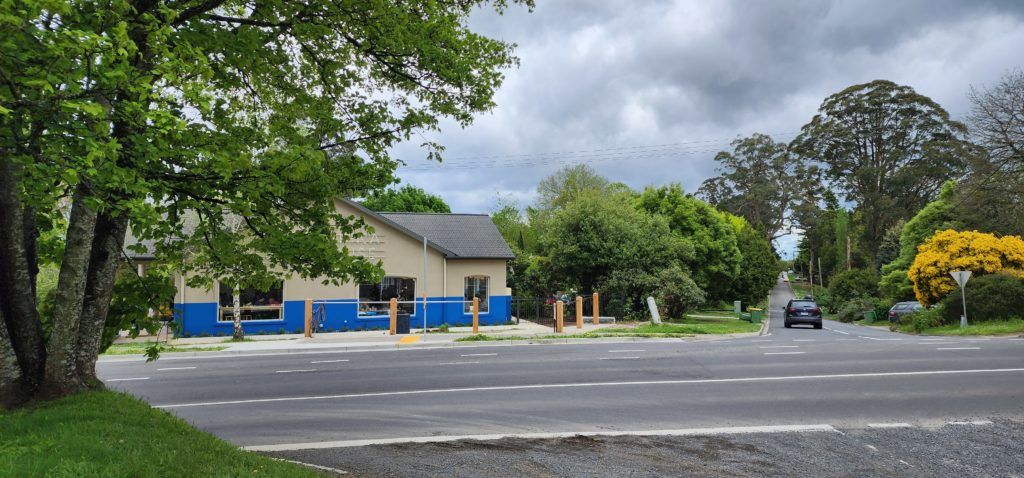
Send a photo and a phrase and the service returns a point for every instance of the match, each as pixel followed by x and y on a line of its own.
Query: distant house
pixel 465 256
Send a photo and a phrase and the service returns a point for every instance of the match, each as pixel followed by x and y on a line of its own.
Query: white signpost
pixel 655 316
pixel 961 278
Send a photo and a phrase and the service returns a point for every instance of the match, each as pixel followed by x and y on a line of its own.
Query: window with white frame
pixel 476 286
pixel 255 304
pixel 374 299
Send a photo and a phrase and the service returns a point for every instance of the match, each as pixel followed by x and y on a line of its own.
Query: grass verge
pixel 138 348
pixel 996 327
pixel 686 327
pixel 112 434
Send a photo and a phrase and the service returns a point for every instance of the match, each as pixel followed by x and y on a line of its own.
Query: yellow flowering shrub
pixel 949 250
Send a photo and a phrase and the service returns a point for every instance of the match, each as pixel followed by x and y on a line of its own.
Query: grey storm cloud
pixel 604 77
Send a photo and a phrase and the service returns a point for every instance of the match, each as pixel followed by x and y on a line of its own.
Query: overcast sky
pixel 647 91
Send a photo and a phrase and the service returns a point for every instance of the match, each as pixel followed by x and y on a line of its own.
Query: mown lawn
pixel 998 327
pixel 686 326
pixel 110 434
pixel 140 348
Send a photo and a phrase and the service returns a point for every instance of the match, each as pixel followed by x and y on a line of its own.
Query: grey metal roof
pixel 464 235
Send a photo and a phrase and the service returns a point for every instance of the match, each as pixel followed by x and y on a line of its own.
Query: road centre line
pixel 330 361
pixel 837 330
pixel 784 353
pixel 596 384
pixel 174 368
pixel 478 355
pixel 125 379
pixel 550 435
pixel 958 348
pixel 296 371
pixel 457 363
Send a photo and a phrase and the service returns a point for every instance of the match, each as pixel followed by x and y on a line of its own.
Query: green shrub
pixel 443 328
pixel 924 319
pixel 989 297
pixel 852 284
pixel 855 309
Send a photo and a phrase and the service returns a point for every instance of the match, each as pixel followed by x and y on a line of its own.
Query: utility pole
pixel 849 264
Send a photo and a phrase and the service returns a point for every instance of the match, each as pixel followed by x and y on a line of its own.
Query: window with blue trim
pixel 374 299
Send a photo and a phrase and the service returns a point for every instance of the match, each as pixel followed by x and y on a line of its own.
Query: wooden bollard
pixel 393 312
pixel 559 311
pixel 579 312
pixel 596 316
pixel 476 315
pixel 307 324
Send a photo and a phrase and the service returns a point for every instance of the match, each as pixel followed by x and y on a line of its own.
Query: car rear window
pixel 901 306
pixel 804 304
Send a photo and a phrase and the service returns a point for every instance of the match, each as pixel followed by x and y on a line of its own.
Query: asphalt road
pixel 844 376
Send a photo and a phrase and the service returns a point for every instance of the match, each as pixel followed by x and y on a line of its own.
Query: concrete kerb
pixel 426 346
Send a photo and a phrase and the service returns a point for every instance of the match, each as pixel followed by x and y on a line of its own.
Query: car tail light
pixel 892 313
pixel 816 311
pixel 791 309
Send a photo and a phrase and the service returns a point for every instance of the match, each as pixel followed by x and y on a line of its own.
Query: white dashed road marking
pixel 804 340
pixel 958 348
pixel 619 358
pixel 457 363
pixel 972 422
pixel 478 355
pixel 296 371
pixel 125 379
pixel 779 347
pixel 839 331
pixel 625 351
pixel 784 353
pixel 889 425
pixel 174 368
pixel 329 361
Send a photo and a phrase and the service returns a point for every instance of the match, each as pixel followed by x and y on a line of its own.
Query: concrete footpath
pixel 524 333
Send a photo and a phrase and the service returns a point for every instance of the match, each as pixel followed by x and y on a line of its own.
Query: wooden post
pixel 308 324
pixel 559 310
pixel 393 312
pixel 821 276
pixel 476 315
pixel 579 312
pixel 849 264
pixel 596 303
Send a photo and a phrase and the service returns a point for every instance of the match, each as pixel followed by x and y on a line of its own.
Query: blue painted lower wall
pixel 341 315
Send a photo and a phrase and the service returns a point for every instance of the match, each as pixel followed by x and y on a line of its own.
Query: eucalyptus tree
pixel 886 148
pixel 175 116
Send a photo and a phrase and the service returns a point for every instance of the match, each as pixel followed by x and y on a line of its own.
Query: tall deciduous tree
pixel 406 199
pixel 182 117
pixel 887 148
pixel 567 185
pixel 760 180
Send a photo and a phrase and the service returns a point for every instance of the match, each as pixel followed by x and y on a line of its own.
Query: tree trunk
pixel 106 255
pixel 24 332
pixel 13 390
pixel 238 333
pixel 61 362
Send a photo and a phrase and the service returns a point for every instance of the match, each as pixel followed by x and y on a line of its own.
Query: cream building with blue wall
pixel 465 258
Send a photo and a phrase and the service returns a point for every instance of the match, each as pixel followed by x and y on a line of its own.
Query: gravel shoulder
pixel 995 449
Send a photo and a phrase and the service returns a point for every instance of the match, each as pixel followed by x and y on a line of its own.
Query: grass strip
pixel 139 348
pixel 111 434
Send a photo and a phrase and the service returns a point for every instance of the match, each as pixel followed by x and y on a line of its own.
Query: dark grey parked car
pixel 900 309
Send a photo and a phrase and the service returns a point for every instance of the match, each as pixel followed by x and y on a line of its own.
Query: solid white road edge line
pixel 499 436
pixel 329 361
pixel 972 422
pixel 310 465
pixel 958 348
pixel 784 353
pixel 125 379
pixel 596 384
pixel 296 371
pixel 619 358
pixel 457 363
pixel 889 425
pixel 478 355
pixel 779 347
pixel 174 368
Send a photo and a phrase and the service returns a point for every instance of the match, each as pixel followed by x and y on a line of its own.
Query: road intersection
pixel 842 377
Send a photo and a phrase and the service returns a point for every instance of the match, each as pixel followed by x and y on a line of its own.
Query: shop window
pixel 255 304
pixel 476 286
pixel 375 299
